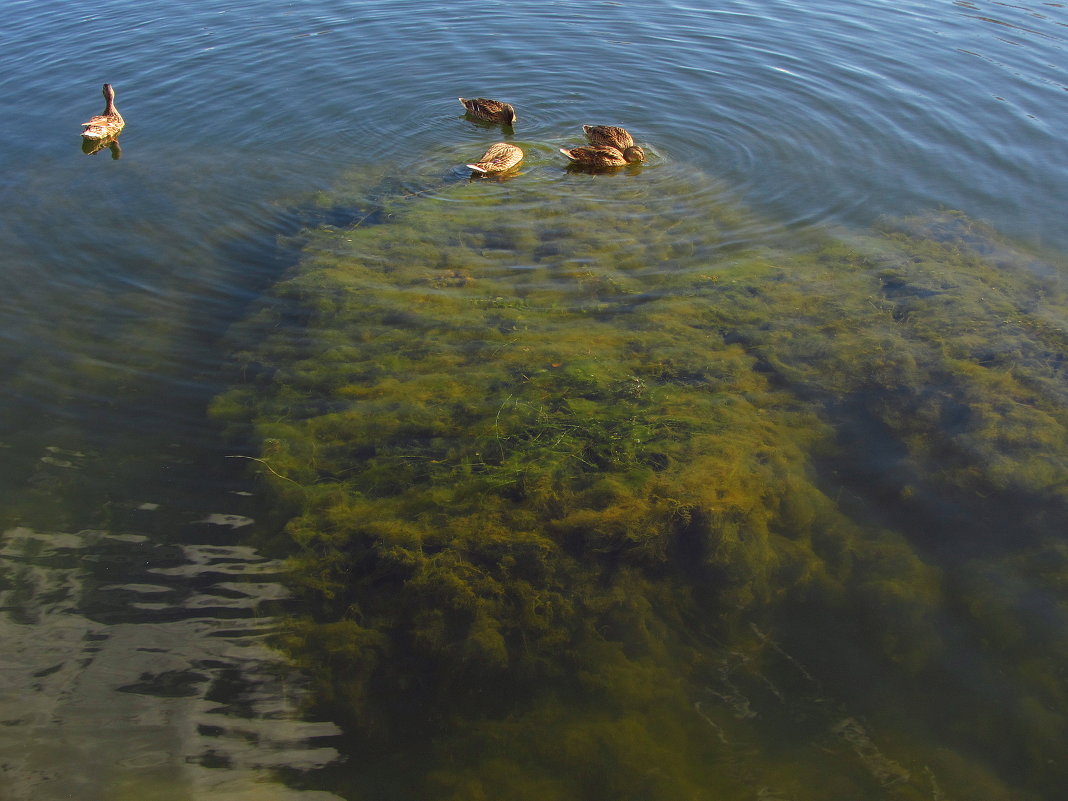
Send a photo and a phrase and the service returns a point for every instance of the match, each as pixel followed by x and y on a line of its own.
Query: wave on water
pixel 137 669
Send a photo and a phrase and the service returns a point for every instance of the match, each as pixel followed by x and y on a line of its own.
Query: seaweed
pixel 554 460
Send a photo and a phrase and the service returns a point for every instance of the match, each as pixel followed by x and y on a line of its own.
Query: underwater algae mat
pixel 587 503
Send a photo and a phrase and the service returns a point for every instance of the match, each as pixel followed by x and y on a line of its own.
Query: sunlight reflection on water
pixel 153 672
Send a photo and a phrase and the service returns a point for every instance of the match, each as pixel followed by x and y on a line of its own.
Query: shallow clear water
pixel 121 278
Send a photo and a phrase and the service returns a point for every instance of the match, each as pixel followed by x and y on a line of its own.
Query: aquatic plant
pixel 561 487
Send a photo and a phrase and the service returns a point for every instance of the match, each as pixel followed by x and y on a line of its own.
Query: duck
pixel 614 136
pixel 500 157
pixel 492 110
pixel 108 124
pixel 596 156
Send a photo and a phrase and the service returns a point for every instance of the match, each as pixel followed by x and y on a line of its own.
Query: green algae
pixel 566 472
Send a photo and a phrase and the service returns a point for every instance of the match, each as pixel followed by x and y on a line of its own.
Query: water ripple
pixel 248 122
pixel 810 115
pixel 167 640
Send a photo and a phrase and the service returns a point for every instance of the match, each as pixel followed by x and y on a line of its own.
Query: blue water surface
pixel 120 276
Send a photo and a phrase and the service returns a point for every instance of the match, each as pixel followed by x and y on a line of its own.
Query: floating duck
pixel 597 155
pixel 500 157
pixel 492 110
pixel 108 124
pixel 613 136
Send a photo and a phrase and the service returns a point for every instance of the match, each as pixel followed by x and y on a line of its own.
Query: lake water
pixel 834 293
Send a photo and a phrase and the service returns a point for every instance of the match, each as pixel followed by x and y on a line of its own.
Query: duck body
pixel 610 135
pixel 500 157
pixel 596 155
pixel 492 110
pixel 613 136
pixel 108 124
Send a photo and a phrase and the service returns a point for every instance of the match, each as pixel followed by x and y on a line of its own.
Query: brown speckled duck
pixel 108 124
pixel 596 156
pixel 491 110
pixel 613 136
pixel 500 157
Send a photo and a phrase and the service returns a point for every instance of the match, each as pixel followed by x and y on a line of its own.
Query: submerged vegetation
pixel 587 503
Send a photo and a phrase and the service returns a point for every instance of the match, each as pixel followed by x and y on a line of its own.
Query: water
pixel 122 279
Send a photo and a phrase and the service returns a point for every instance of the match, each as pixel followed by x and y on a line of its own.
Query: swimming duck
pixel 108 124
pixel 492 110
pixel 499 158
pixel 596 156
pixel 613 136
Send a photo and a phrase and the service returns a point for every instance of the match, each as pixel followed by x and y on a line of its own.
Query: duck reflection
pixel 602 169
pixel 93 146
